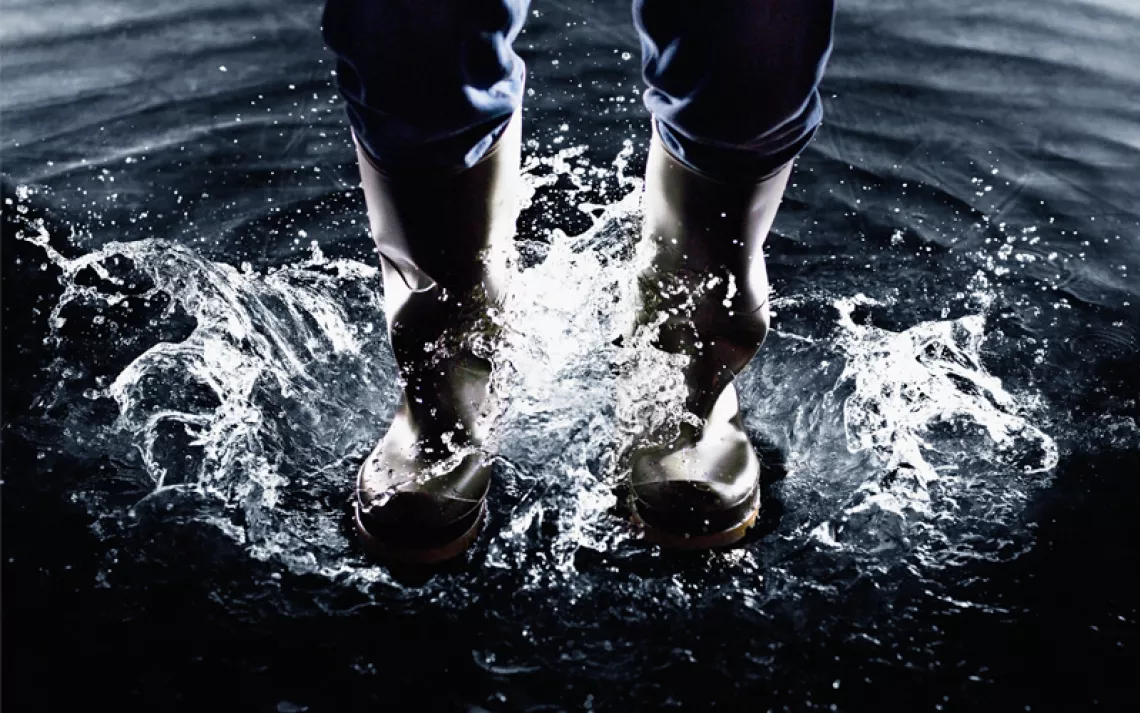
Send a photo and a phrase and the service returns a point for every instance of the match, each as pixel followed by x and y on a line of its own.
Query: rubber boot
pixel 444 243
pixel 707 286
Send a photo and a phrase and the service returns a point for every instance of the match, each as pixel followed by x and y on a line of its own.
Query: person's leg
pixel 428 84
pixel 433 91
pixel 733 84
pixel 732 89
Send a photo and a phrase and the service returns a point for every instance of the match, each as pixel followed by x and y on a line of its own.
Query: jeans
pixel 732 84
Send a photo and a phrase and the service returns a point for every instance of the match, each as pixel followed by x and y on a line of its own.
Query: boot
pixel 444 243
pixel 707 286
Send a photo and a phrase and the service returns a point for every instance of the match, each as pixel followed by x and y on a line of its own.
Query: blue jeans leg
pixel 733 84
pixel 429 84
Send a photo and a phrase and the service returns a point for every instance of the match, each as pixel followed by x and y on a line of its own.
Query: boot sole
pixel 414 555
pixel 673 541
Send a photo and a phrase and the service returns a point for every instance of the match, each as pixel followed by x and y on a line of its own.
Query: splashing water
pixel 267 399
pixel 936 424
pixel 254 413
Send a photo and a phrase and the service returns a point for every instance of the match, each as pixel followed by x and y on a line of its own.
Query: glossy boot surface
pixel 707 288
pixel 444 242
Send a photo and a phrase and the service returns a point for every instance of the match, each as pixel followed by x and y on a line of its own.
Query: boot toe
pixel 689 508
pixel 405 518
pixel 703 489
pixel 417 520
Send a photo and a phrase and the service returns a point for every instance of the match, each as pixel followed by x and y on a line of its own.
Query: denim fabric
pixel 428 83
pixel 732 84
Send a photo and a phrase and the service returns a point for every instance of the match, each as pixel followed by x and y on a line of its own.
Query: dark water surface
pixel 195 363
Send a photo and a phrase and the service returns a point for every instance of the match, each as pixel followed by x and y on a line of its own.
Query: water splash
pixel 258 411
pixel 254 418
pixel 941 431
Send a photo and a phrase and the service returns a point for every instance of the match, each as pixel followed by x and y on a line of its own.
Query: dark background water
pixel 978 158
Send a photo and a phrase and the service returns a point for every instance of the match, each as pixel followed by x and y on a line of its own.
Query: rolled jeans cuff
pixel 735 163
